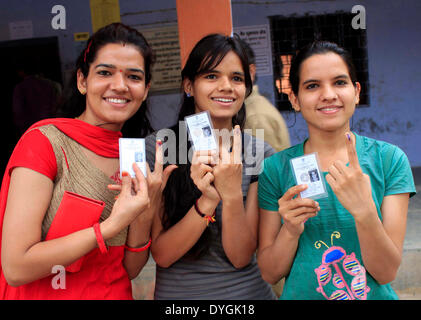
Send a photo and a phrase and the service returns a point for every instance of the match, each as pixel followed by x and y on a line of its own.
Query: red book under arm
pixel 76 212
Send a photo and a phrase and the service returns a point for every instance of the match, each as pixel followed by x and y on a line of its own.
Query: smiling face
pixel 115 86
pixel 326 95
pixel 221 91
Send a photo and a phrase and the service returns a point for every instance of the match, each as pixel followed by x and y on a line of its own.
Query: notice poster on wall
pixel 258 37
pixel 21 30
pixel 166 73
pixel 104 12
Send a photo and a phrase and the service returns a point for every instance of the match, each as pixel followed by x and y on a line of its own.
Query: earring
pixel 82 91
pixel 188 95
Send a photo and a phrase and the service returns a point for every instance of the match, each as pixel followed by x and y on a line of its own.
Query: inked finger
pixel 159 157
pixel 237 145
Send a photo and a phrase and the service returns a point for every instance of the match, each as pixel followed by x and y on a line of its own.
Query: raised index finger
pixel 237 145
pixel 352 152
pixel 159 157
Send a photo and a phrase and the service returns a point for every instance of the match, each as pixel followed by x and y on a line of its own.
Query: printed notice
pixel 258 37
pixel 167 68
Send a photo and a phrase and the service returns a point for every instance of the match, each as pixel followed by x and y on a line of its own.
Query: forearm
pixel 138 236
pixel 239 232
pixel 275 261
pixel 170 245
pixel 37 262
pixel 380 255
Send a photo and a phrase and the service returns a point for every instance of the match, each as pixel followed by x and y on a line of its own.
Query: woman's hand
pixel 350 184
pixel 228 172
pixel 296 211
pixel 132 201
pixel 157 179
pixel 202 176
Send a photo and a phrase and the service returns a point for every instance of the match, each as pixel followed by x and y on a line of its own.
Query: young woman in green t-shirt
pixel 368 184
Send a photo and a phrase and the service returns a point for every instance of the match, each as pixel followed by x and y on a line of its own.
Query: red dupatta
pixel 101 141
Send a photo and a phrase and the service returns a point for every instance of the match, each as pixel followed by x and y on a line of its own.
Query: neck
pixel 326 142
pixel 105 125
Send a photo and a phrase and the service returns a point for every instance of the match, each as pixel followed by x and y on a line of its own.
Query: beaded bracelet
pixel 99 239
pixel 204 216
pixel 146 246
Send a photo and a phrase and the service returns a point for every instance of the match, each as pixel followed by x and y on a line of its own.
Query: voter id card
pixel 132 150
pixel 307 171
pixel 201 131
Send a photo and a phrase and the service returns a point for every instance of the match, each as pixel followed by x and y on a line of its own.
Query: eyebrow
pixel 216 71
pixel 111 66
pixel 341 76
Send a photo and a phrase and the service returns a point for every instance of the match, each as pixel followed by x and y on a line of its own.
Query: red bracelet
pixel 146 246
pixel 204 216
pixel 99 238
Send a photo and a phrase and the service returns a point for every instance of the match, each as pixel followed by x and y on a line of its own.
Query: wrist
pixel 232 197
pixel 107 229
pixel 207 206
pixel 366 216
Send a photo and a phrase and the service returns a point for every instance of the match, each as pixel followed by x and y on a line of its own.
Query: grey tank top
pixel 212 276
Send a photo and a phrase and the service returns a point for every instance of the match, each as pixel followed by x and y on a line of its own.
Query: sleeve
pixel 34 151
pixel 268 151
pixel 269 190
pixel 398 174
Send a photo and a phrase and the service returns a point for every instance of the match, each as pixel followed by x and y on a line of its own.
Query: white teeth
pixel 329 109
pixel 115 100
pixel 223 100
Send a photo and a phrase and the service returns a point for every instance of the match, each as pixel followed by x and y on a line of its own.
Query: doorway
pixel 42 56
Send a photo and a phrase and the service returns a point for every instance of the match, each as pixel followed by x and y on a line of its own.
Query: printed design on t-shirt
pixel 334 258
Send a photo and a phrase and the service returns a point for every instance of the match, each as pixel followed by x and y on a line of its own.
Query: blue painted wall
pixel 393 43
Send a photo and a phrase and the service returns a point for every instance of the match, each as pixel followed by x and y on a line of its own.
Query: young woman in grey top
pixel 199 257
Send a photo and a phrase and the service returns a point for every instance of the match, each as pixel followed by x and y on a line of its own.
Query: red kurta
pixel 102 275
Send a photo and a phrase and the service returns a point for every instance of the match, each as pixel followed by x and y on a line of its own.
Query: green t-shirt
pixel 328 262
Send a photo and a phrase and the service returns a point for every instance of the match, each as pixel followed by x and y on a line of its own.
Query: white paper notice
pixel 307 171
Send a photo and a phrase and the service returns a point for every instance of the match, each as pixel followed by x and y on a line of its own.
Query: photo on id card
pixel 200 131
pixel 132 150
pixel 306 170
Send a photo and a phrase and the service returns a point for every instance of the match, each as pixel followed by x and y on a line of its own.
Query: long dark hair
pixel 318 47
pixel 204 57
pixel 180 192
pixel 73 103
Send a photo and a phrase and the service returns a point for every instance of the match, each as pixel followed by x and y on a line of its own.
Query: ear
pixel 188 86
pixel 146 91
pixel 357 92
pixel 252 72
pixel 294 101
pixel 81 82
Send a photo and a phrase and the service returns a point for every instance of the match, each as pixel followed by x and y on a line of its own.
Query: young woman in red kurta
pixel 81 156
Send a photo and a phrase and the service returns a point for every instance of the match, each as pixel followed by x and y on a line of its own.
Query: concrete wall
pixel 393 45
